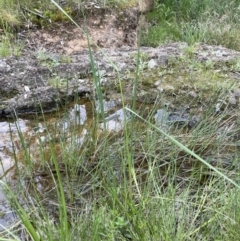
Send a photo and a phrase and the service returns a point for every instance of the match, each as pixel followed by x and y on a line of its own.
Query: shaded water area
pixel 29 147
pixel 92 144
pixel 9 134
pixel 26 146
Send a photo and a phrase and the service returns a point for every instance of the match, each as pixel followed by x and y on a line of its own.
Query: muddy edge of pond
pixel 31 84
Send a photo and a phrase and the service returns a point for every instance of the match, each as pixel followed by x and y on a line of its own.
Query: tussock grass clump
pixel 148 182
pixel 14 13
pixel 195 21
pixel 8 13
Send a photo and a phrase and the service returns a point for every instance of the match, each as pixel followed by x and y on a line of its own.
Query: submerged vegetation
pixel 170 172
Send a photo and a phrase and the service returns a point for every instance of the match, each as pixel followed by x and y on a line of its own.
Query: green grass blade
pixel 21 213
pixel 176 142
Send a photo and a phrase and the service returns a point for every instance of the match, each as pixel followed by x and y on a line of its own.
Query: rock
pixel 232 100
pixel 42 98
pixel 192 94
pixel 32 84
pixel 152 63
pixel 4 66
pixel 237 93
pixel 82 90
pixel 161 117
pixel 220 106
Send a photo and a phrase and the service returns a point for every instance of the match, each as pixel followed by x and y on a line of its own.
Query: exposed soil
pixel 106 29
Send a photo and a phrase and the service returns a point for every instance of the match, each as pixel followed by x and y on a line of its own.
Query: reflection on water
pixel 65 135
pixel 70 128
pixel 115 121
pixel 107 105
pixel 19 125
pixel 6 162
pixel 9 133
pixel 77 115
pixel 55 129
pixel 79 139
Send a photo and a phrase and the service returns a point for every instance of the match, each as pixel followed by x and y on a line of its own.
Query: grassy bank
pixel 191 21
pixel 16 13
pixel 149 182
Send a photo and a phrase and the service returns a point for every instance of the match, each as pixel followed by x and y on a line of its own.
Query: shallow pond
pixel 78 135
pixel 25 143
